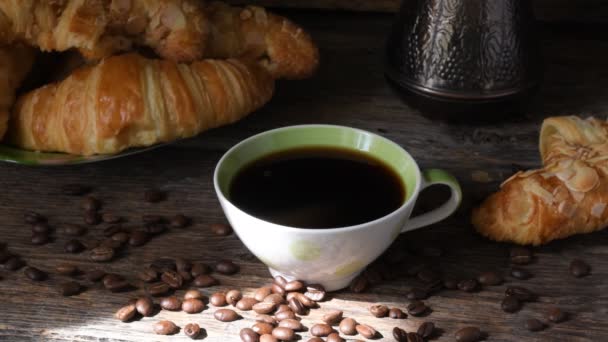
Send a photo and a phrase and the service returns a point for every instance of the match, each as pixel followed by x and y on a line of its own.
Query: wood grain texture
pixel 348 90
pixel 550 10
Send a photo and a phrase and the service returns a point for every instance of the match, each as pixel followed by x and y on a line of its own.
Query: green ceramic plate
pixel 18 156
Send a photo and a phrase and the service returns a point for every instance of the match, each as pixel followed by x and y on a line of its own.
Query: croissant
pixel 284 48
pixel 175 29
pixel 128 101
pixel 15 62
pixel 567 196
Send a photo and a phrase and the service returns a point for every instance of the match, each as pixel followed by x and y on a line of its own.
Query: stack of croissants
pixel 212 65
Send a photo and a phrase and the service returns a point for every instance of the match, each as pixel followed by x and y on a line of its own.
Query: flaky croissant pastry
pixel 175 29
pixel 15 62
pixel 567 196
pixel 284 48
pixel 129 101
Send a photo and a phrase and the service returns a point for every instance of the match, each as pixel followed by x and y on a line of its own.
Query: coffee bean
pixel 218 299
pixel 126 313
pixel 220 229
pixel 35 274
pixel 314 339
pixel 111 230
pixel 333 317
pixel 292 324
pixel 233 296
pixel 186 276
pixel 14 263
pixel 262 328
pixel 399 334
pixel 199 269
pixel 110 218
pixel 73 246
pixel 95 275
pixel 520 273
pixel 417 294
pixel 268 338
pixel 165 328
pixel 158 289
pixel 121 237
pixel 315 292
pixel 490 278
pixel 428 275
pixel 154 196
pixel 155 228
pixel 297 306
pixel 521 293
pixel 179 221
pixel 33 217
pixel 192 330
pixel 426 330
pixel 534 325
pixel 182 264
pixel 149 218
pixel 283 307
pixel 469 285
pixel 70 288
pixel 115 282
pixel 246 303
pixel 205 280
pixel 579 268
pixel 226 267
pixel 285 314
pixel 66 269
pixel 359 284
pixel 196 294
pixel 321 330
pixel 138 238
pixel 41 228
pixel 70 229
pixel 556 315
pixel 39 239
pixel 171 303
pixel 92 218
pixel 294 286
pixel 279 280
pixel 172 278
pixel 193 305
pixel 266 319
pixel 248 335
pixel 75 189
pixel 264 307
pixel 414 337
pixel 468 334
pixel 510 304
pixel 348 326
pixel 521 255
pixel 417 308
pixel 366 331
pixel 148 275
pixel 379 310
pixel 262 293
pixel 274 298
pixel 283 334
pixel 276 288
pixel 396 313
pixel 226 315
pixel 334 337
pixel 145 306
pixel 101 254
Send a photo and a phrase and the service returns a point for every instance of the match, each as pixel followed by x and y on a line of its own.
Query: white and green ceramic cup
pixel 331 257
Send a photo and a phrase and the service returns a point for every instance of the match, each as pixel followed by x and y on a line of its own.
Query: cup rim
pixel 363 225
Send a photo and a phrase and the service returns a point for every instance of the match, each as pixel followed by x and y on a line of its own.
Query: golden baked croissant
pixel 175 29
pixel 567 196
pixel 284 48
pixel 129 101
pixel 15 62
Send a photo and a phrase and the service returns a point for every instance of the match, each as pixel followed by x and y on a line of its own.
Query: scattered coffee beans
pixel 266 319
pixel 246 303
pixel 297 306
pixel 426 330
pixel 315 292
pixel 417 294
pixel 396 313
pixel 275 299
pixel 379 310
pixel 70 229
pixel 292 324
pixel 115 283
pixel 233 296
pixel 199 269
pixel 294 286
pixel 39 239
pixel 315 339
pixel 41 228
pixel 73 246
pixel 226 315
pixel 226 267
pixel 172 278
pixel 158 289
pixel 348 326
pixel 268 338
pixel 262 293
pixel 91 204
pixel 399 334
pixel 534 324
pixel 321 330
pixel 126 313
pixel 468 334
pixel 70 288
pixel 171 303
pixel 414 337
pixel 165 328
pixel 194 294
pixel 218 299
pixel 333 317
pixel 35 274
pixel 220 229
pixel 264 307
pixel 101 254
pixel 359 284
pixel 334 337
pixel 366 331
pixel 278 289
pixel 510 304
pixel 248 335
pixel 205 280
pixel 193 305
pixel 284 314
pixel 145 306
pixel 262 328
pixel 283 334
pixel 192 330
pixel 417 308
pixel 579 268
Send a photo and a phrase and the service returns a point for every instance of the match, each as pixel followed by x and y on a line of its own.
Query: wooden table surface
pixel 348 90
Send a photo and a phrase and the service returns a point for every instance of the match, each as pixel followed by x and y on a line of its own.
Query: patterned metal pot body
pixel 465 51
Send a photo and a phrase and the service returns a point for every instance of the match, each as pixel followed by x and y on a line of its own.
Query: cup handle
pixel 435 177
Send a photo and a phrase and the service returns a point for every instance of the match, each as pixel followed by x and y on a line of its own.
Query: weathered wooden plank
pixel 348 90
pixel 584 11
